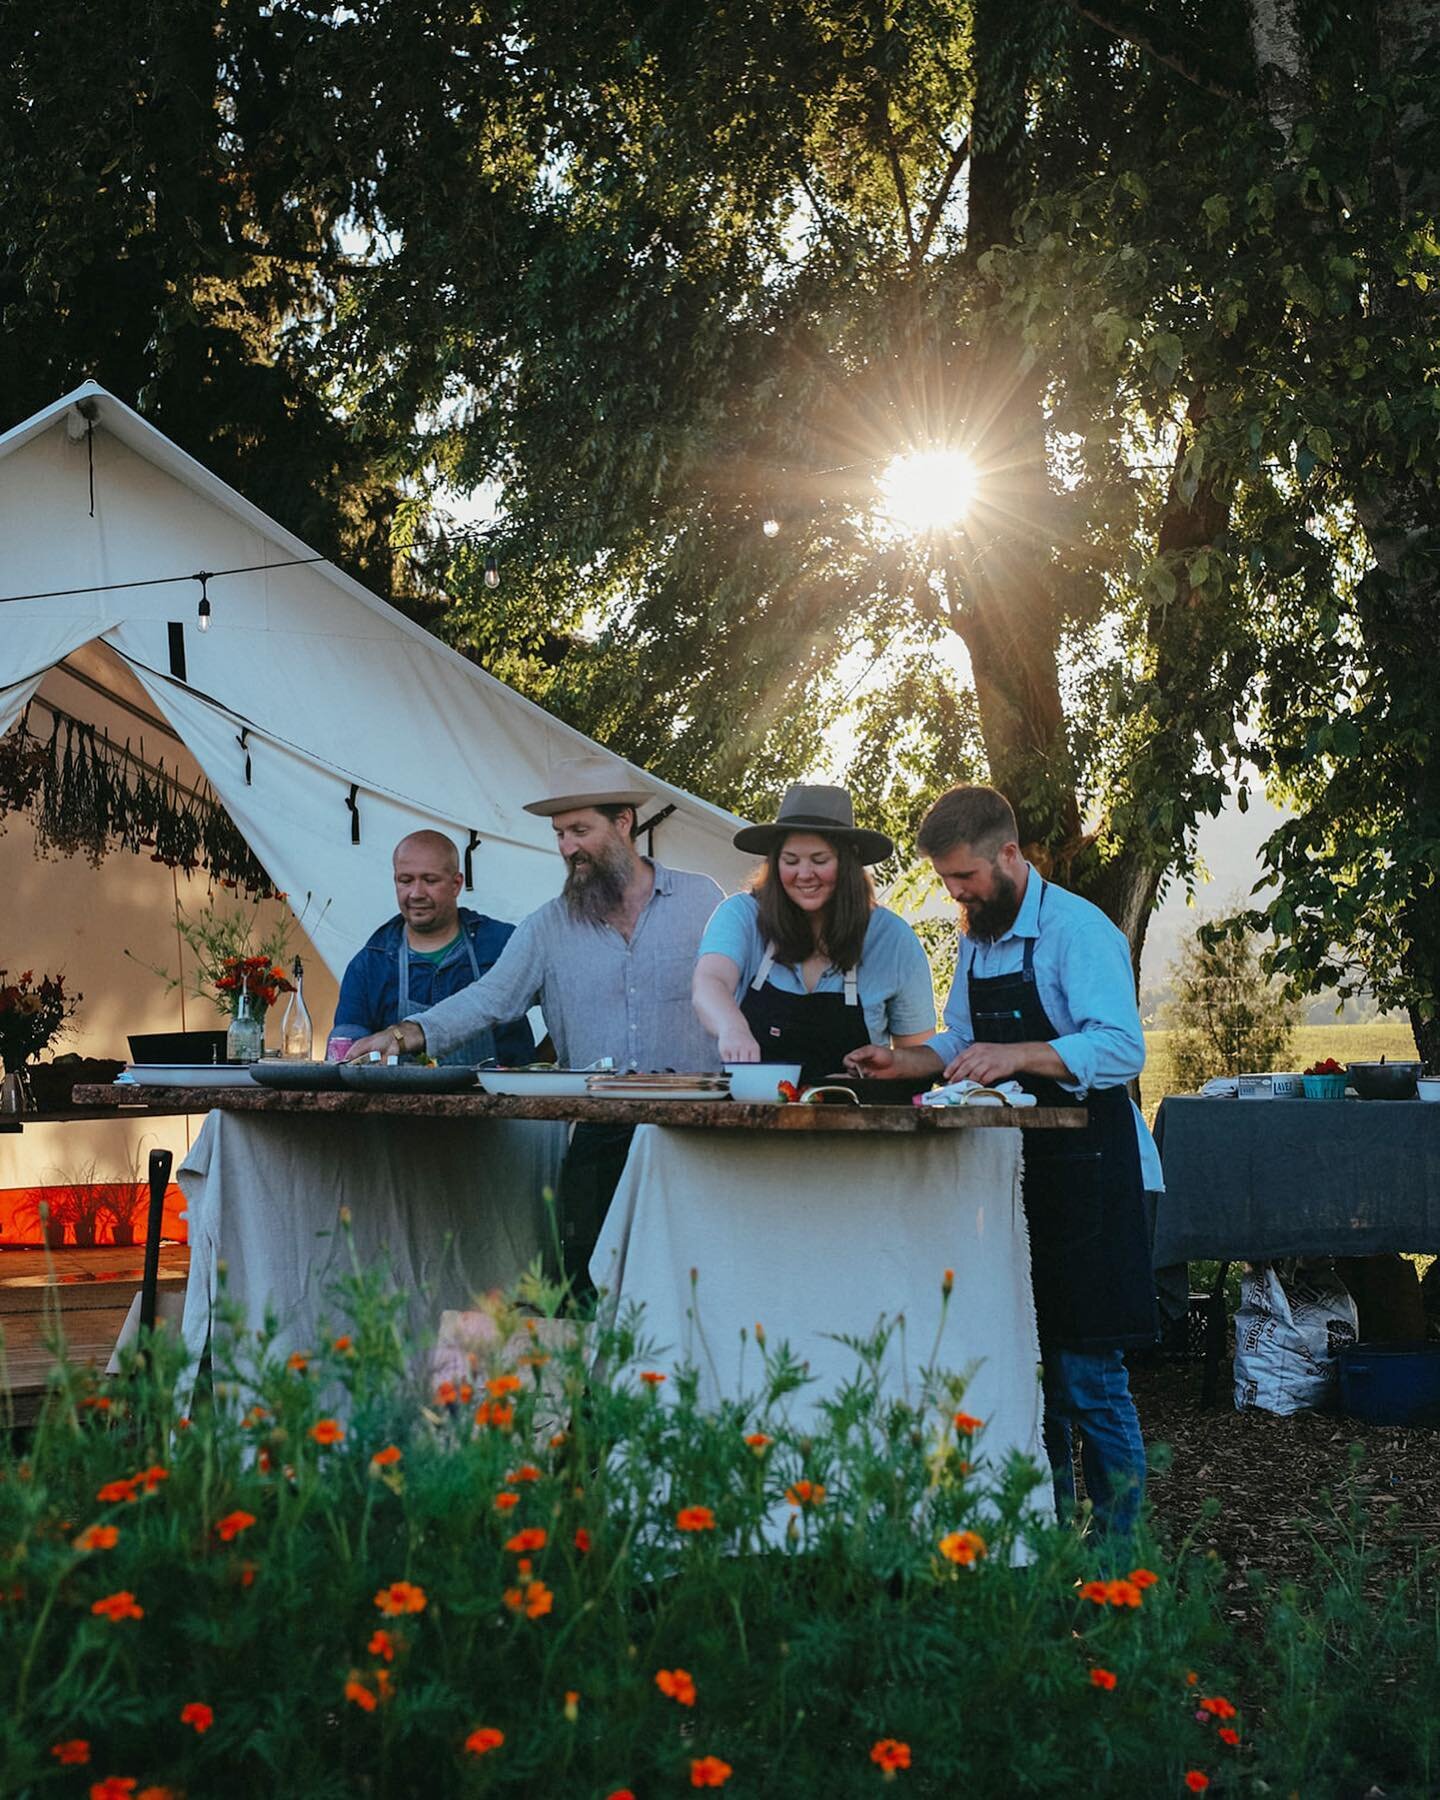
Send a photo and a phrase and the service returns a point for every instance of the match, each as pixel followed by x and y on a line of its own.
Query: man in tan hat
pixel 609 961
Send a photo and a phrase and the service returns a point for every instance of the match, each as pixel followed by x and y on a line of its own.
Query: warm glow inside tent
pixel 326 723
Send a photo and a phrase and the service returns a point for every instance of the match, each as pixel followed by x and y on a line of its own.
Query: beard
pixel 595 883
pixel 992 918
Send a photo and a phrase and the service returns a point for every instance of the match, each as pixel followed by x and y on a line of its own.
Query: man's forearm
pixel 914 1062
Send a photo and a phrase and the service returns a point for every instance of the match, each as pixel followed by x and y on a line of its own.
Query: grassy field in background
pixel 1313 1043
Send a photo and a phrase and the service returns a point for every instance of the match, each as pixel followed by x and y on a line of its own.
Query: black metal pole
pixel 160 1165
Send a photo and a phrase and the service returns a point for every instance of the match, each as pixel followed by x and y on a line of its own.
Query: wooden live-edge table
pixel 723 1115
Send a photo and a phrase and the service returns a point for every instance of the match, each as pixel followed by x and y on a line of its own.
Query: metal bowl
pixel 1383 1080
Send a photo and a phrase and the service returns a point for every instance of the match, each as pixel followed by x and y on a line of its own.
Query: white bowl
pixel 760 1081
pixel 1428 1087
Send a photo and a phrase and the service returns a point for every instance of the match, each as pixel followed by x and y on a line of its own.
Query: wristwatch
pixel 398 1033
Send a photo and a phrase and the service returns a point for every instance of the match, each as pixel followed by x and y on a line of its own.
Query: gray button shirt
pixel 600 995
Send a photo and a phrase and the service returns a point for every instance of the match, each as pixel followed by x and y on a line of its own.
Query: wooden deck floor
pixel 92 1290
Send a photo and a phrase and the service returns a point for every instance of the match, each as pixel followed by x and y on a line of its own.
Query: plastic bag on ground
pixel 1294 1320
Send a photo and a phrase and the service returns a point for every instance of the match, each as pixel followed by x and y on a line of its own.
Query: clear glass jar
pixel 297 1034
pixel 245 1039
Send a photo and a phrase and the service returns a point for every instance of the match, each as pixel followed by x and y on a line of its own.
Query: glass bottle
pixel 297 1035
pixel 245 1040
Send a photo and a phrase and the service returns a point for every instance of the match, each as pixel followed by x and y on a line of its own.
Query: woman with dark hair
pixel 805 967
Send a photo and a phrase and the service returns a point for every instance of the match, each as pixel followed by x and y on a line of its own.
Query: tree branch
pixel 1188 65
pixel 901 189
pixel 942 193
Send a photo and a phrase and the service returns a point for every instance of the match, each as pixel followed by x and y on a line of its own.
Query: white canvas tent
pixel 327 723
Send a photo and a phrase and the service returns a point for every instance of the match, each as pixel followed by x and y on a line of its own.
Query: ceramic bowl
pixel 1383 1080
pixel 1428 1087
pixel 760 1081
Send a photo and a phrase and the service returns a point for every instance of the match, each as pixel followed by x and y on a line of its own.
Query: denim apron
pixel 477 1049
pixel 1084 1198
pixel 818 1031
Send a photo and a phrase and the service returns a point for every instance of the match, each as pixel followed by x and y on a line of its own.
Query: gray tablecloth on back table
pixel 453 1206
pixel 1261 1179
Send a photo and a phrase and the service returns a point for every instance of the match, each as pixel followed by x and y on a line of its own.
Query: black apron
pixel 1084 1196
pixel 818 1031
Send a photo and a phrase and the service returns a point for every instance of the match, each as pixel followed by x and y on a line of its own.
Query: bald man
pixel 431 949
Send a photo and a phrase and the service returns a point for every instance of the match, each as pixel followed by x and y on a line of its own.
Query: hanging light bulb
pixel 204 608
pixel 771 527
pixel 492 571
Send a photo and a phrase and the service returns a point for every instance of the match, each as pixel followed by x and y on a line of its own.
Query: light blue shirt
pixel 1086 984
pixel 896 992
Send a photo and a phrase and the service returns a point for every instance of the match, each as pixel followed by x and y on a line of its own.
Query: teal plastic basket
pixel 1324 1087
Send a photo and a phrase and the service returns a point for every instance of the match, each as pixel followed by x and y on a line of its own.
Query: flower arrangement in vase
pixel 231 959
pixel 32 1013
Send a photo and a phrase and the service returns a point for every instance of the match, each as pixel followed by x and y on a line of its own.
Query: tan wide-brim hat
pixel 594 780
pixel 827 811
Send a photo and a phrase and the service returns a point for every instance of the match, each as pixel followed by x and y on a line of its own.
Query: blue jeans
pixel 1089 1392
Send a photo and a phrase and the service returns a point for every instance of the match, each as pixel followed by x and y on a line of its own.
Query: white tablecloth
pixel 818 1238
pixel 454 1206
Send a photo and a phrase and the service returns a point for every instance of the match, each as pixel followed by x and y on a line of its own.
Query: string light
pixel 203 577
pixel 492 571
pixel 771 527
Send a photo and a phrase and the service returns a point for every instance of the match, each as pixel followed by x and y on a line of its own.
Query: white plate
pixel 634 1091
pixel 187 1075
pixel 534 1084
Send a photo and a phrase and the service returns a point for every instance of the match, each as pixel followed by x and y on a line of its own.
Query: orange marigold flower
pixel 759 1442
pixel 558 1441
pixel 572 1704
pixel 156 1793
pixel 150 1478
pixel 533 1537
pixel 968 1423
pixel 491 1412
pixel 653 1376
pixel 343 1346
pixel 298 1362
pixel 483 1740
pixel 502 1384
pixel 1218 1707
pixel 198 1714
pixel 1144 1578
pixel 805 1493
pixel 116 1607
pixel 233 1524
pixel 358 1694
pixel 963 1547
pixel 1191 1678
pixel 124 1489
pixel 71 1750
pixel 98 1537
pixel 98 1402
pixel 534 1599
pixel 504 1502
pixel 401 1597
pixel 695 1518
pixel 1123 1593
pixel 245 1574
pixel 327 1431
pixel 381 1644
pixel 709 1771
pixel 526 1472
pixel 676 1684
pixel 382 1459
pixel 582 1540
pixel 621 1794
pixel 113 1787
pixel 947 1284
pixel 890 1754
pixel 1227 1734
pixel 1196 1782
pixel 1102 1678
pixel 1098 1591
pixel 446 1394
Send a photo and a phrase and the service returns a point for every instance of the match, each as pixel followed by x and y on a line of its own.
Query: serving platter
pixel 187 1075
pixel 299 1077
pixel 534 1084
pixel 408 1078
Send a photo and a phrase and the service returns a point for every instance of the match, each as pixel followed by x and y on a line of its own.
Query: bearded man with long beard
pixel 609 961
pixel 1044 994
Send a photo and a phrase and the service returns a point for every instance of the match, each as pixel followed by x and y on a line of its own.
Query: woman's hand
pixel 737 1044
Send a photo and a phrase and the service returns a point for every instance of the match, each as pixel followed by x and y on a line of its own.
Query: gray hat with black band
pixel 827 811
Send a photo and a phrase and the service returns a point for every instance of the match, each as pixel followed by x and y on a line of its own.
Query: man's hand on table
pixel 879 1062
pixel 407 1037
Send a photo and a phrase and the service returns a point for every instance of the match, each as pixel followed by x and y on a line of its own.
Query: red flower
pixel 358 1694
pixel 124 1489
pixel 1218 1707
pixel 582 1540
pixel 198 1714
pixel 483 1740
pixel 401 1597
pixel 695 1518
pixel 533 1537
pixel 526 1472
pixel 1227 1734
pixel 653 1376
pixel 382 1459
pixel 327 1431
pixel 805 1493
pixel 1196 1782
pixel 230 1527
pixel 758 1442
pixel 1102 1678
pixel 150 1478
pixel 381 1644
pixel 504 1502
pixel 709 1771
pixel 677 1685
pixel 1144 1578
pixel 116 1607
pixel 502 1384
pixel 947 1284
pixel 621 1794
pixel 963 1547
pixel 534 1599
pixel 71 1750
pixel 98 1537
pixel 113 1787
pixel 297 1363
pixel 890 1754
pixel 968 1423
